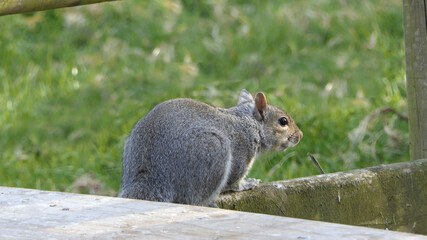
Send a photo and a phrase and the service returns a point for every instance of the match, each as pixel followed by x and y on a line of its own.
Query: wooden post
pixel 23 6
pixel 415 23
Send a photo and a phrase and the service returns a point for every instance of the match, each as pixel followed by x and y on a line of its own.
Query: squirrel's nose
pixel 300 134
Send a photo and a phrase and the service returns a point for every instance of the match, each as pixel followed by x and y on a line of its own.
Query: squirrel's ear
pixel 261 106
pixel 245 96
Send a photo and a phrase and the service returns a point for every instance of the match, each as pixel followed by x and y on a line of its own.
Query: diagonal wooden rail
pixel 22 6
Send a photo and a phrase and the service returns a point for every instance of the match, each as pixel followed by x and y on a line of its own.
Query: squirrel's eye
pixel 283 121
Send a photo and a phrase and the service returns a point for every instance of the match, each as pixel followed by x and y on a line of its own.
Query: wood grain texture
pixel 387 197
pixel 22 6
pixel 33 214
pixel 415 23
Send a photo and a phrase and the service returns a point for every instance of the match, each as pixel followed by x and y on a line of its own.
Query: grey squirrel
pixel 185 151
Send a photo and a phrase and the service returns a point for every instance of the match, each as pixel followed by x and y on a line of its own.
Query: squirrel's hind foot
pixel 212 205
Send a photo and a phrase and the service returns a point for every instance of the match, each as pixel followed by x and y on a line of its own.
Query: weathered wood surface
pixel 390 197
pixel 33 214
pixel 23 6
pixel 415 22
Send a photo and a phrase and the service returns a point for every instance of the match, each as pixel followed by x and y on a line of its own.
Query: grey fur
pixel 186 151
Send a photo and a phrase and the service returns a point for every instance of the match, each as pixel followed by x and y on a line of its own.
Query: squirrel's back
pixel 171 119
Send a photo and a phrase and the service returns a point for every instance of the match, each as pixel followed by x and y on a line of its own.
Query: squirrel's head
pixel 279 129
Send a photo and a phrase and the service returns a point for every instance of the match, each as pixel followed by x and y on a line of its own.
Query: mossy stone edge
pixel 390 197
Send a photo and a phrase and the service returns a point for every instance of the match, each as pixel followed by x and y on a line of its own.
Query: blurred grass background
pixel 74 82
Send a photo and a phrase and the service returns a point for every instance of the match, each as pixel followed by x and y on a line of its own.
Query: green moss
pixel 387 197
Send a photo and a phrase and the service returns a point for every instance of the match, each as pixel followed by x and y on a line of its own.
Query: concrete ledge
pixel 33 214
pixel 388 197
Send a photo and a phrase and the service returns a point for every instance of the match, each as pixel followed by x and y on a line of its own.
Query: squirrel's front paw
pixel 243 185
pixel 249 184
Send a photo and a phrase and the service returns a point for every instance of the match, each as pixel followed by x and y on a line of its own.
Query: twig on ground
pixel 316 163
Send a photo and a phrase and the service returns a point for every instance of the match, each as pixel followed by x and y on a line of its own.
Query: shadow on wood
pixel 387 197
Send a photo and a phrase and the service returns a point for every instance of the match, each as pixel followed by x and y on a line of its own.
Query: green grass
pixel 75 81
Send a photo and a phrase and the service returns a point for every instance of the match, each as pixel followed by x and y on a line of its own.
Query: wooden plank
pixel 387 197
pixel 33 214
pixel 415 22
pixel 23 6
